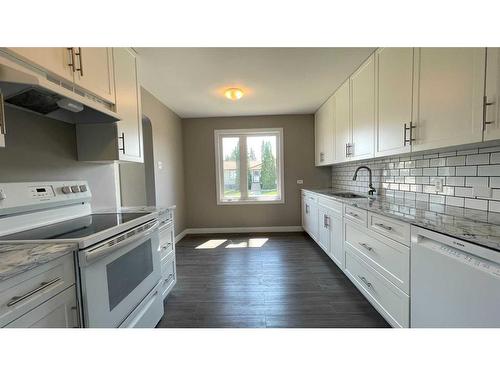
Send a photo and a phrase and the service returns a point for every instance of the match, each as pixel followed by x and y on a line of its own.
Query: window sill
pixel 250 201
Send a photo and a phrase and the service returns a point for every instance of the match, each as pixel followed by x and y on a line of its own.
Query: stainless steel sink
pixel 347 195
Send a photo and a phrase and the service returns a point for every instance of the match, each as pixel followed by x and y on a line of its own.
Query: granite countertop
pixel 475 226
pixel 16 258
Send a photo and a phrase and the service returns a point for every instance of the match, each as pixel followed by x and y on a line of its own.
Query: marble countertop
pixel 16 258
pixel 475 226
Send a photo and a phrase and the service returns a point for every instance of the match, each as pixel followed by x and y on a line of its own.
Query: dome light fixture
pixel 234 93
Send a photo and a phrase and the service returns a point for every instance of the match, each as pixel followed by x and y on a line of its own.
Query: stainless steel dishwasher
pixel 453 283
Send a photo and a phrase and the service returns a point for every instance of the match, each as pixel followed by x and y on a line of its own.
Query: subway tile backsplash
pixel 413 177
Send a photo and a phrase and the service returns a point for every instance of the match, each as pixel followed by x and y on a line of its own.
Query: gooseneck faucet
pixel 370 184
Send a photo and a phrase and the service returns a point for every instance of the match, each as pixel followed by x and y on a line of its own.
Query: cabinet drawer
pixel 395 229
pixel 26 291
pixel 310 197
pixel 334 206
pixel 392 303
pixel 355 214
pixel 58 312
pixel 388 257
pixel 168 275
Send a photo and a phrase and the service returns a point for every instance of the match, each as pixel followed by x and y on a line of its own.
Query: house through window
pixel 257 177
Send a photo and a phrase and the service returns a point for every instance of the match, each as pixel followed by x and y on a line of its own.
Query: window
pixel 255 178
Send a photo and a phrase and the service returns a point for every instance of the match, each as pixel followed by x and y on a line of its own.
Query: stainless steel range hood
pixel 30 91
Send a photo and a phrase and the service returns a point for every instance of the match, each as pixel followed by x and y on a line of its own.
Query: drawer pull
pixel 353 214
pixel 383 226
pixel 366 282
pixel 45 284
pixel 366 246
pixel 171 276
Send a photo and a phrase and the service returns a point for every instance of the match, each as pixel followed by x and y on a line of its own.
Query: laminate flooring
pixel 262 280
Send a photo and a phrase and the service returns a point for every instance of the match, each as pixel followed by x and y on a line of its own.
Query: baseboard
pixel 297 228
pixel 181 235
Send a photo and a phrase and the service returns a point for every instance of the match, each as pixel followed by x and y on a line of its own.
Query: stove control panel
pixel 27 196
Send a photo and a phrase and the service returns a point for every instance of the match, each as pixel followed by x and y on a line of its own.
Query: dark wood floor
pixel 287 282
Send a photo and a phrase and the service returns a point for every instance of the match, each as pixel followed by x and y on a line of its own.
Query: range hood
pixel 30 91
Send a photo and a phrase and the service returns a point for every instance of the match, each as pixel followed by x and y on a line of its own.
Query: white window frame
pixel 219 170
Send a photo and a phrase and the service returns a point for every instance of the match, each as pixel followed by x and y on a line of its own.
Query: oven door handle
pixel 92 255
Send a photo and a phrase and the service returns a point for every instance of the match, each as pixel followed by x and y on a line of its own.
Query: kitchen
pixel 368 194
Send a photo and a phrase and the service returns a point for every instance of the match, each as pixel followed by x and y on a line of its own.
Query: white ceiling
pixel 191 81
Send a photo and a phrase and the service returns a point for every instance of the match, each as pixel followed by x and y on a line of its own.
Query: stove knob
pixel 75 189
pixel 83 188
pixel 66 189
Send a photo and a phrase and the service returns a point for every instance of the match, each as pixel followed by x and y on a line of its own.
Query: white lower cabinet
pixel 371 249
pixel 167 258
pixel 310 214
pixel 58 312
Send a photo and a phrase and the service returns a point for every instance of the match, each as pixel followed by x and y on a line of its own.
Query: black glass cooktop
pixel 77 228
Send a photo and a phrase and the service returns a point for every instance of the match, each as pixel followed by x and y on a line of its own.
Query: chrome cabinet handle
pixel 326 221
pixel 383 226
pixel 80 60
pixel 321 156
pixel 410 128
pixel 16 299
pixel 307 208
pixel 122 149
pixel 3 129
pixel 366 282
pixel 71 63
pixel 366 246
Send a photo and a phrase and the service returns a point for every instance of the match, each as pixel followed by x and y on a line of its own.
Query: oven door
pixel 118 274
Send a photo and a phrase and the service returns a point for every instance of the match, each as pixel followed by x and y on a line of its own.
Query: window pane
pixel 231 167
pixel 262 167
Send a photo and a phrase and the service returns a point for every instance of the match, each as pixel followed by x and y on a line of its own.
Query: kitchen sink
pixel 347 195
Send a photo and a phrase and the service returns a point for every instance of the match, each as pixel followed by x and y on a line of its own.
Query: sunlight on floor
pixel 211 244
pixel 252 242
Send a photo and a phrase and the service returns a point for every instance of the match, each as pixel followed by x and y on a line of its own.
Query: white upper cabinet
pixel 362 86
pixel 94 71
pixel 58 60
pixel 448 97
pixel 128 105
pixel 492 109
pixel 324 133
pixel 394 83
pixel 342 119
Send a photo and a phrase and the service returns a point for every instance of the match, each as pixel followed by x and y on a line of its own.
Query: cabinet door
pixel 58 312
pixel 324 133
pixel 337 241
pixel 394 82
pixel 313 220
pixel 55 60
pixel 492 110
pixel 128 105
pixel 363 110
pixel 323 229
pixel 341 108
pixel 3 126
pixel 94 71
pixel 449 90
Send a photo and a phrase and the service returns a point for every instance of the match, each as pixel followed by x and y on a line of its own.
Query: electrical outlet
pixel 300 182
pixel 160 165
pixel 438 185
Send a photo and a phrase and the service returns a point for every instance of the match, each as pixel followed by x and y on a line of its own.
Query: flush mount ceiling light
pixel 234 93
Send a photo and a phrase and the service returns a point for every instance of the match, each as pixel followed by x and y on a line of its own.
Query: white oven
pixel 120 277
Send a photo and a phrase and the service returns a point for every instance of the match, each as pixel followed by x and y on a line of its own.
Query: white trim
pixel 242 134
pixel 296 228
pixel 181 235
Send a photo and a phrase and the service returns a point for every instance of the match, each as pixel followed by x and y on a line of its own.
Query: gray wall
pixel 412 177
pixel 167 150
pixel 199 159
pixel 42 149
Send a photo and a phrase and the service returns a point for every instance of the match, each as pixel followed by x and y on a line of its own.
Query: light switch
pixel 438 185
pixel 160 165
pixel 300 182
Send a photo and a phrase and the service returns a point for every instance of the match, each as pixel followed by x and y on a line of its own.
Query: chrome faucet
pixel 370 184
